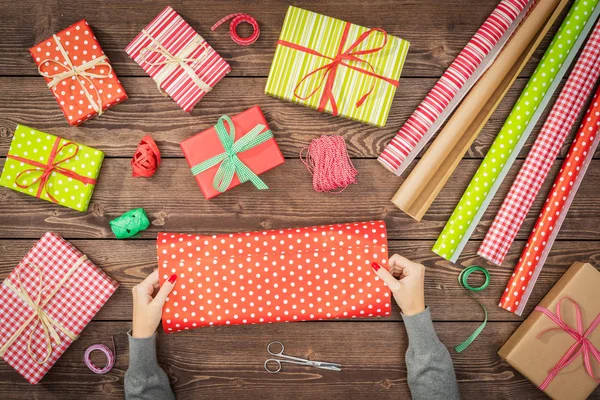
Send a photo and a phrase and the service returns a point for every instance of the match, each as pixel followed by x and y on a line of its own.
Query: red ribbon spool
pixel 238 19
pixel 146 158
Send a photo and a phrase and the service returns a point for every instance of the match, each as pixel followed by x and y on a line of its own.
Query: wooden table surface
pixel 226 362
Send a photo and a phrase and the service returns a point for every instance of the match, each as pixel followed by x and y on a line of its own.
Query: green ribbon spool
pixel 463 280
pixel 229 160
pixel 130 224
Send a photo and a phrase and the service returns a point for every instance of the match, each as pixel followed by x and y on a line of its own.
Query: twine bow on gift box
pixel 229 160
pixel 81 73
pixel 46 170
pixel 329 70
pixel 39 315
pixel 581 346
pixel 172 61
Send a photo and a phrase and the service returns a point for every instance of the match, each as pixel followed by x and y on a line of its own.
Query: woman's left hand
pixel 147 307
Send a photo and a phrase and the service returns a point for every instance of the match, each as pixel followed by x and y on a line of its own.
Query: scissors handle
pixel 272 361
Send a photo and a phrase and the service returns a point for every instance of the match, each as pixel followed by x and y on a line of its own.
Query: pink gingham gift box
pixel 45 303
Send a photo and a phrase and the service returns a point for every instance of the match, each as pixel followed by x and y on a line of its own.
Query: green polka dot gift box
pixel 51 168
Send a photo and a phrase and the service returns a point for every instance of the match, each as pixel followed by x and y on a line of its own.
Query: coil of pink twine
pixel 328 161
pixel 110 357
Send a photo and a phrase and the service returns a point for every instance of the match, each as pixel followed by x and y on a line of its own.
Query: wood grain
pixel 226 363
pixel 148 112
pixel 129 262
pixel 174 203
pixel 437 31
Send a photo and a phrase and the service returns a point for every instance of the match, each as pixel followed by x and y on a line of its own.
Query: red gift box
pixel 311 273
pixel 208 144
pixel 78 73
pixel 46 301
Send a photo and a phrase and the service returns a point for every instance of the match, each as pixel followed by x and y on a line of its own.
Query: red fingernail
pixel 375 266
pixel 173 278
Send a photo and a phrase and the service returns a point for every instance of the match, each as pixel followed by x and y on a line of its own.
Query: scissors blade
pixel 327 365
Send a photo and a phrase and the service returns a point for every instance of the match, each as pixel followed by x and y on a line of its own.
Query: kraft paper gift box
pixel 313 273
pixel 246 134
pixel 78 73
pixel 47 301
pixel 183 65
pixel 51 168
pixel 337 67
pixel 547 339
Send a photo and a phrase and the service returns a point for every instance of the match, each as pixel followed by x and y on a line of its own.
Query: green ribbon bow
pixel 230 162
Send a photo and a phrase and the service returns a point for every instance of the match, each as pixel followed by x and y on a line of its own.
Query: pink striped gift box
pixel 458 79
pixel 180 61
pixel 535 169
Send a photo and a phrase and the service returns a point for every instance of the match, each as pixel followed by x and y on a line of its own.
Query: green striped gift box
pixel 332 65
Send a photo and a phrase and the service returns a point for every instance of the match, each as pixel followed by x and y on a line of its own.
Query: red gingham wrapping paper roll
pixel 534 171
pixel 555 209
pixel 173 33
pixel 73 306
pixel 462 74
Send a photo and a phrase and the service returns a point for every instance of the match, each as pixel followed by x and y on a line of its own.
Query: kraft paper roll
pixel 429 176
pixel 517 127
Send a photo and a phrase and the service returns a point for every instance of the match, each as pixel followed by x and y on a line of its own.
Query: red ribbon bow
pixel 343 57
pixel 47 169
pixel 582 344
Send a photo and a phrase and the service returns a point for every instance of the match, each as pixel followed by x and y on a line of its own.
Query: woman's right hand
pixel 408 289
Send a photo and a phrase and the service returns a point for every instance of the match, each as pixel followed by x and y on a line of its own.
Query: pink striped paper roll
pixel 175 35
pixel 458 79
pixel 534 171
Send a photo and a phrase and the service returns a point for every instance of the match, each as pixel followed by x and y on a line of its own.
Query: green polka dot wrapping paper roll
pixel 517 128
pixel 51 168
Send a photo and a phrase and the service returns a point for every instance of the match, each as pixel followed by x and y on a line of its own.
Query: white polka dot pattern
pixel 284 275
pixel 517 128
pixel 555 209
pixel 81 46
pixel 569 105
pixel 36 146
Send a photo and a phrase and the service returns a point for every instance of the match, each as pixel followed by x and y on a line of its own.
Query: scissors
pixel 294 360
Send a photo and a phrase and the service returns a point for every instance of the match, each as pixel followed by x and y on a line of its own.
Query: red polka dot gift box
pixel 78 73
pixel 46 302
pixel 313 273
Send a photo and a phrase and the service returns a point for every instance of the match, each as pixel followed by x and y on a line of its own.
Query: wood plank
pixel 131 261
pixel 174 202
pixel 214 363
pixel 437 31
pixel 117 133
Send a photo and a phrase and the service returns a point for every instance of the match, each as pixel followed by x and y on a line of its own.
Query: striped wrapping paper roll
pixel 458 79
pixel 517 127
pixel 170 31
pixel 555 209
pixel 532 174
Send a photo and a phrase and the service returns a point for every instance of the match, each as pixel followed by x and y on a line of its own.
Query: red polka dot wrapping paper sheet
pixel 73 306
pixel 81 46
pixel 303 274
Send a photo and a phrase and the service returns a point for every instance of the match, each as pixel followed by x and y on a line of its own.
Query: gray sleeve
pixel 428 363
pixel 144 378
